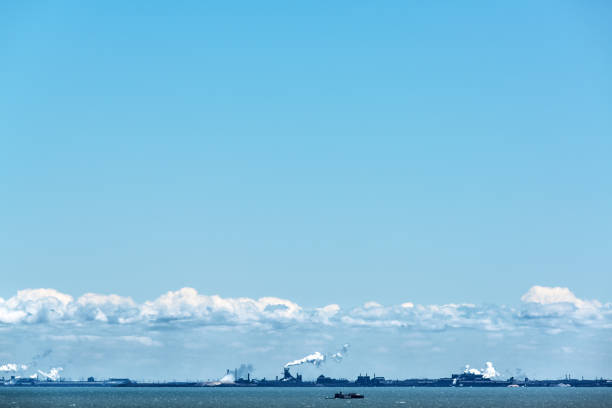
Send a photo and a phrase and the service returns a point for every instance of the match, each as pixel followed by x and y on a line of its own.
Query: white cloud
pixel 328 312
pixel 107 308
pixel 429 317
pixel 552 308
pixel 10 316
pixel 35 306
pixel 188 305
pixel 558 308
pixel 545 295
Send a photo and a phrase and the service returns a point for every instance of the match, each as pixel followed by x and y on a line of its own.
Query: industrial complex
pixel 287 379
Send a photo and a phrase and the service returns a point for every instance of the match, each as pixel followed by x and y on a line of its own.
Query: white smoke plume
pixel 33 364
pixel 469 370
pixel 241 372
pixel 315 359
pixel 53 374
pixel 9 367
pixel 13 367
pixel 338 356
pixel 227 379
pixel 488 372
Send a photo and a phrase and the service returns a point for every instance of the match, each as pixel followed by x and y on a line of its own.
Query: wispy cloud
pixel 142 340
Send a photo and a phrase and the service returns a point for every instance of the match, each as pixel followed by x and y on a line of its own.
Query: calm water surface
pixel 303 397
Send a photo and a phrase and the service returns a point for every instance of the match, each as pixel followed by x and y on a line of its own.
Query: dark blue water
pixel 15 397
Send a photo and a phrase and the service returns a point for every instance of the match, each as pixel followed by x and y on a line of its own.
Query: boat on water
pixel 351 395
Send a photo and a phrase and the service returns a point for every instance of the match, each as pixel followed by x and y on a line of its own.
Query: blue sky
pixel 321 153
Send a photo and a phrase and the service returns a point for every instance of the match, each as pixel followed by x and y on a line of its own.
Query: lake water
pixel 30 397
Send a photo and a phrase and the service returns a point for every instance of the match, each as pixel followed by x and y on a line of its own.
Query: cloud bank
pixel 553 307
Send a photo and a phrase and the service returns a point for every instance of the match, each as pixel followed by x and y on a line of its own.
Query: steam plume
pixel 469 370
pixel 53 374
pixel 227 378
pixel 13 367
pixel 240 372
pixel 339 355
pixel 315 359
pixel 34 361
pixel 8 368
pixel 488 372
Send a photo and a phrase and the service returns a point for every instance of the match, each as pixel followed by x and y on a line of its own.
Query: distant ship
pixel 351 395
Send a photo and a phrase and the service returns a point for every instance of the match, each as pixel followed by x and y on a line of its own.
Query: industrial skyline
pixel 470 377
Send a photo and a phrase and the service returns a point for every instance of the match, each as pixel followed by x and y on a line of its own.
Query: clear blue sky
pixel 326 152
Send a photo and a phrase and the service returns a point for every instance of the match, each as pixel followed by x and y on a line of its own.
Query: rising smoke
pixel 241 372
pixel 519 373
pixel 244 370
pixel 488 372
pixel 338 356
pixel 317 358
pixel 12 367
pixel 469 370
pixel 21 368
pixel 227 379
pixel 40 356
pixel 53 374
pixel 7 368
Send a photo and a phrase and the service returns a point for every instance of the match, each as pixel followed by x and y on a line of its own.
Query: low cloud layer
pixel 551 307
